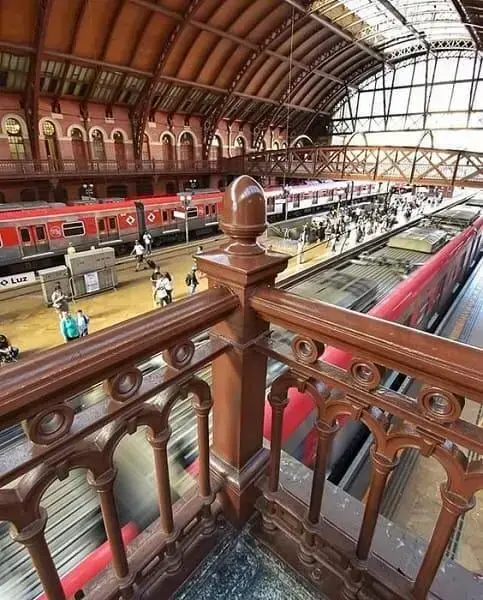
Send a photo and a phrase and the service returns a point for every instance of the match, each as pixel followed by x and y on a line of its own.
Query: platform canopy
pixel 250 60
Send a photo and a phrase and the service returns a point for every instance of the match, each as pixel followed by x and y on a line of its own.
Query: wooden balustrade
pixel 68 168
pixel 448 371
pixel 238 473
pixel 39 394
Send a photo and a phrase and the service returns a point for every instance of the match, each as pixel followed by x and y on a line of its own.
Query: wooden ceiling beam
pixel 30 100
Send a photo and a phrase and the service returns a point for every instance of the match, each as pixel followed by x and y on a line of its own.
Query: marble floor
pixel 241 569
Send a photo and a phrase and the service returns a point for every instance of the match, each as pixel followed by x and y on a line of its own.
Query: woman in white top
pixel 160 293
pixel 168 286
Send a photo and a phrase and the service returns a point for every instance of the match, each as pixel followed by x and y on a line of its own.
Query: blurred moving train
pixel 410 280
pixel 30 238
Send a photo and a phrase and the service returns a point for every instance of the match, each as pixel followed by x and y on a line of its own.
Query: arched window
pixel 119 149
pixel 78 148
pixel 28 195
pixel 240 147
pixel 146 153
pixel 117 190
pixel 276 145
pixel 16 143
pixel 50 141
pixel 216 148
pixel 60 194
pixel 168 148
pixel 171 187
pixel 98 148
pixel 284 145
pixel 187 148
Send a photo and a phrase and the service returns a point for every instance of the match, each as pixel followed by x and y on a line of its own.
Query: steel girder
pixel 398 164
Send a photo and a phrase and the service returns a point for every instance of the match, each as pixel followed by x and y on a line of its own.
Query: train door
pixel 33 240
pixel 108 229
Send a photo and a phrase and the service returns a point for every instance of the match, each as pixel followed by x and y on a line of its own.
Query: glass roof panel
pixel 381 23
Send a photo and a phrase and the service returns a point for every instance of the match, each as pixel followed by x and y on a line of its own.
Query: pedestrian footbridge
pixel 398 164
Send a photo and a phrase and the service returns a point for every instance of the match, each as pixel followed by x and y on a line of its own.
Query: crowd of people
pixel 363 220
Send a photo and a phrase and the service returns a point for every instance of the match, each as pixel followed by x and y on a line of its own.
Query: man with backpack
pixel 192 281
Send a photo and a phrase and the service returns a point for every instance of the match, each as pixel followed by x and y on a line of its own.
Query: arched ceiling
pixel 239 59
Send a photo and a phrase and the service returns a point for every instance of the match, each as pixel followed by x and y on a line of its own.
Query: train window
pixel 102 225
pixel 207 209
pixel 213 209
pixel 191 213
pixel 165 215
pixel 25 235
pixel 112 222
pixel 73 229
pixel 172 214
pixel 40 233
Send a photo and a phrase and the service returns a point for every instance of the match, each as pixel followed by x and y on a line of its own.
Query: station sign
pixel 179 214
pixel 8 282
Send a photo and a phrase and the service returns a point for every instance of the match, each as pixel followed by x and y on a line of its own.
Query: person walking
pixel 82 323
pixel 59 300
pixel 68 327
pixel 160 295
pixel 192 281
pixel 168 286
pixel 138 252
pixel 148 242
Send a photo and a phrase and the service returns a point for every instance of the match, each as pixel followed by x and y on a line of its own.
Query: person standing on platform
pixel 138 252
pixel 160 293
pixel 192 281
pixel 82 323
pixel 68 327
pixel 59 300
pixel 148 242
pixel 168 286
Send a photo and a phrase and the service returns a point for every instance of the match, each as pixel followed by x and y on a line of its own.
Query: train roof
pixel 460 216
pixel 340 288
pixel 30 213
pixel 478 201
pixel 420 239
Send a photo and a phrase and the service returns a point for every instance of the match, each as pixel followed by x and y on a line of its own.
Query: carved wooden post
pixel 239 376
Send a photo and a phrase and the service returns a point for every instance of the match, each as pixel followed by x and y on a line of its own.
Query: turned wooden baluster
pixel 278 407
pixel 381 468
pixel 33 538
pixel 453 507
pixel 159 445
pixel 104 485
pixel 326 433
pixel 202 414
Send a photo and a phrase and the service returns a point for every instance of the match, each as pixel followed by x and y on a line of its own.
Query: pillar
pixel 239 376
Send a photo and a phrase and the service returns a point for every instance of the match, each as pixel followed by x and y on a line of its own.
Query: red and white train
pixel 31 237
pixel 396 282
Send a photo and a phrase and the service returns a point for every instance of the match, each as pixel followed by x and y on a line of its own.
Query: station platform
pixel 32 326
pixel 420 504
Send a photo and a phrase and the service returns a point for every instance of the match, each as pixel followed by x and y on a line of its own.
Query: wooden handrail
pixel 66 369
pixel 443 362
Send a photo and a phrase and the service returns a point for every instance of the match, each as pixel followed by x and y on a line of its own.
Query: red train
pixel 31 238
pixel 411 281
